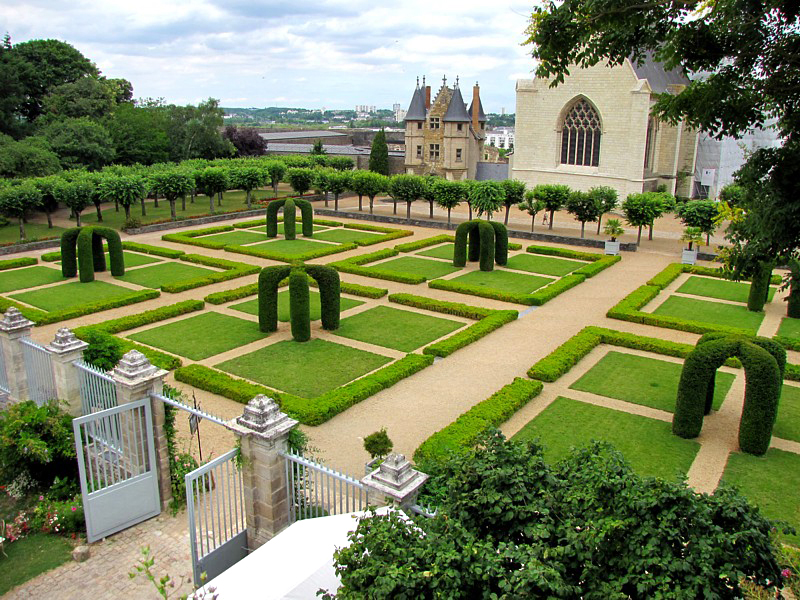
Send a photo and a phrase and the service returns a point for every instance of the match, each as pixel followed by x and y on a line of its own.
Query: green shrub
pixel 147 317
pixel 223 384
pixel 162 360
pixel 55 516
pixel 481 236
pixel 368 258
pixel 353 266
pixel 476 290
pixel 387 237
pixel 424 243
pixel 638 298
pixel 327 280
pixel 51 256
pixel 34 314
pixel 93 307
pixel 265 252
pixel 104 351
pixel 594 268
pixel 377 228
pixel 364 291
pixel 251 289
pixel 289 219
pixel 500 242
pixel 378 444
pixel 18 262
pixel 461 433
pixel 792 372
pixel 667 276
pixel 442 306
pixel 69 256
pixel 471 334
pixel 299 307
pixel 514 246
pixel 566 356
pixel 268 281
pixel 564 253
pixel 787 342
pixel 154 250
pixel 559 286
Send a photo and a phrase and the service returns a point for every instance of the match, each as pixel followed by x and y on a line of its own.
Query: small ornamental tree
pixel 406 188
pixel 173 185
pixel 212 181
pixel 586 208
pixel 378 444
pixel 369 184
pixel 428 191
pixel 607 197
pixel 125 190
pixel 76 195
pixel 553 196
pixel 338 183
pixel 692 235
pixel 449 194
pixel 532 206
pixel 300 179
pixel 321 183
pixel 248 179
pixel 486 197
pixel 379 154
pixel 514 194
pixel 732 195
pixel 640 210
pixel 466 186
pixel 701 214
pixel 16 200
pixel 662 204
pixel 276 171
pixel 47 186
pixel 613 229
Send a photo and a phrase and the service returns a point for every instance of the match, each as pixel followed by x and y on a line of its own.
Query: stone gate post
pixel 65 349
pixel 14 326
pixel 396 480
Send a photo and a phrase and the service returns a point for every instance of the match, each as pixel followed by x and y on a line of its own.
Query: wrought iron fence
pixel 39 371
pixel 97 388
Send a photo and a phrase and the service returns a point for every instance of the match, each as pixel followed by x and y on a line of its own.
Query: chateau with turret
pixel 444 137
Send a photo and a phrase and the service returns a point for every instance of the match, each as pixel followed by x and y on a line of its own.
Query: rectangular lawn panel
pixel 157 275
pixel 298 228
pixel 28 277
pixel 307 369
pixel 710 312
pixel 201 336
pixel 343 236
pixel 787 425
pixel 65 296
pixel 504 281
pixel 430 269
pixel 642 380
pixel 394 328
pixel 235 238
pixel 735 291
pixel 251 306
pixel 771 482
pixel 445 251
pixel 546 265
pixel 790 328
pixel 647 444
pixel 296 247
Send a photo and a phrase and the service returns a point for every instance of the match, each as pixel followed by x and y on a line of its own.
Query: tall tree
pixel 246 140
pixel 585 207
pixel 515 193
pixel 607 197
pixel 80 143
pixel 28 157
pixel 17 200
pixel 84 97
pixel 486 197
pixel 301 180
pixel 406 188
pixel 276 170
pixel 379 154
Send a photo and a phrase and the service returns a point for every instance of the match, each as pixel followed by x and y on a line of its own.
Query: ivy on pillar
pixel 396 480
pixel 263 431
pixel 65 349
pixel 14 326
pixel 136 378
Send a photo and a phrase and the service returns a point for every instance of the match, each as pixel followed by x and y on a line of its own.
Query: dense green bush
pixel 597 266
pixel 299 308
pixel 251 289
pixel 265 252
pixel 364 291
pixel 69 255
pixel 327 280
pixel 104 351
pixel 289 220
pixel 268 280
pixel 17 262
pixel 559 286
pixel 476 290
pixel 566 356
pixel 289 217
pixel 86 309
pixel 51 256
pixel 667 276
pixel 471 334
pixel 147 317
pixel 500 242
pixel 442 306
pixel 378 444
pixel 564 253
pixel 154 250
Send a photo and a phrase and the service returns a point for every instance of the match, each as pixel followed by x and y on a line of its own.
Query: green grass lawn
pixel 642 380
pixel 647 444
pixel 343 236
pixel 298 228
pixel 251 306
pixel 394 328
pixel 504 281
pixel 546 265
pixel 444 251
pixel 28 277
pixel 33 231
pixel 430 269
pixel 790 328
pixel 235 238
pixel 170 272
pixel 201 336
pixel 306 369
pixel 787 425
pixel 771 482
pixel 60 297
pixel 32 556
pixel 710 312
pixel 296 247
pixel 131 259
pixel 735 291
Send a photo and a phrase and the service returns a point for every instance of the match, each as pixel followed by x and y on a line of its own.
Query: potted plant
pixel 694 237
pixel 613 229
pixel 378 445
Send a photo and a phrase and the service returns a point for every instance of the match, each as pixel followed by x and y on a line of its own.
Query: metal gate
pixel 117 466
pixel 217 527
pixel 39 372
pixel 4 387
pixel 318 491
pixel 98 391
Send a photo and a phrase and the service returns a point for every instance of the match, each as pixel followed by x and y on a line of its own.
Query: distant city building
pixel 399 114
pixel 500 137
pixel 365 108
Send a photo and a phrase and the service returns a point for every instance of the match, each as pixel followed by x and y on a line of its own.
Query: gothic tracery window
pixel 580 136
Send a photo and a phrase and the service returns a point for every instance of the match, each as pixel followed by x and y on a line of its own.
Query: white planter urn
pixel 689 257
pixel 612 248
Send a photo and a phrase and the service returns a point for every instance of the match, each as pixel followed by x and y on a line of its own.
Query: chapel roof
pixel 656 75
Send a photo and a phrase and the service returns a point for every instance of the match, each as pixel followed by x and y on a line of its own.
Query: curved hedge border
pixel 17 262
pixel 492 412
pixel 265 252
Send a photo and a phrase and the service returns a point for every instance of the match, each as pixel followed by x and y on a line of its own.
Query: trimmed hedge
pixel 265 252
pixel 251 289
pixel 564 253
pixel 514 246
pixel 378 228
pixel 500 242
pixel 162 360
pixel 18 262
pixel 481 237
pixel 289 220
pixel 188 237
pixel 69 260
pixel 424 243
pixel 232 271
pixel 353 266
pixel 476 290
pixel 299 306
pixel 364 291
pixel 41 317
pixel 461 433
pixel 154 250
pixel 51 256
pixel 368 258
pixel 34 314
pixel 597 266
pixel 259 222
pixel 146 317
pixel 390 234
pixel 223 384
pixel 792 372
pixel 330 292
pixel 471 334
pixel 289 217
pixel 268 281
pixel 787 342
pixel 442 306
pixel 667 276
pixel 559 286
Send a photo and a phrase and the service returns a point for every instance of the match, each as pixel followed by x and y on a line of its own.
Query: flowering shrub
pixel 58 516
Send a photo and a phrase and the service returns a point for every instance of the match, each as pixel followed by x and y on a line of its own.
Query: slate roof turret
pixel 457 110
pixel 416 110
pixel 481 114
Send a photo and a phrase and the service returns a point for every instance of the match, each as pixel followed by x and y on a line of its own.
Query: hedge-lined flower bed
pixel 471 334
pixel 148 249
pixel 232 270
pixel 354 267
pixel 475 290
pixel 187 237
pixel 265 252
pixel 13 263
pixel 147 317
pixel 424 243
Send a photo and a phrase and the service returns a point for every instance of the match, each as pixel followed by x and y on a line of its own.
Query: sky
pixel 297 53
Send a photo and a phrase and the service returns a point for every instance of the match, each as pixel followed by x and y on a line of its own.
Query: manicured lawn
pixel 298 228
pixel 546 265
pixel 647 444
pixel 171 272
pixel 201 336
pixel 28 277
pixel 71 294
pixel 790 328
pixel 771 482
pixel 32 556
pixel 444 251
pixel 296 247
pixel 504 281
pixel 395 328
pixel 131 259
pixel 710 312
pixel 33 231
pixel 251 306
pixel 430 269
pixel 343 236
pixel 642 380
pixel 787 425
pixel 306 369
pixel 235 238
pixel 735 291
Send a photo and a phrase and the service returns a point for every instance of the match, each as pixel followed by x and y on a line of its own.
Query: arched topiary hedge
pixel 764 362
pixel 488 243
pixel 299 311
pixel 289 205
pixel 82 250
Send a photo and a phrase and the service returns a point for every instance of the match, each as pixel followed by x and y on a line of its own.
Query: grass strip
pixel 476 290
pixel 264 252
pixel 424 243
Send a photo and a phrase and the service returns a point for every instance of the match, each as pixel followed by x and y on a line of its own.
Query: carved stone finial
pixel 65 341
pixel 444 80
pixel 134 365
pixel 456 80
pixel 14 321
pixel 396 479
pixel 263 416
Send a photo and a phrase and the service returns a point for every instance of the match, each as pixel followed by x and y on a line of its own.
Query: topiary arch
pixel 327 279
pixel 83 247
pixel 763 360
pixel 289 205
pixel 488 243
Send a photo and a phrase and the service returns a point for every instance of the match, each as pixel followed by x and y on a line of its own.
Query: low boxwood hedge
pixel 147 317
pixel 34 314
pixel 389 233
pixel 559 286
pixel 476 290
pixel 365 291
pixel 564 253
pixel 787 342
pixel 471 334
pixel 232 271
pixel 449 308
pixel 597 266
pixel 354 267
pixel 148 249
pixel 265 252
pixel 51 256
pixel 188 237
pixel 40 317
pixel 461 433
pixel 424 243
pixel 514 246
pixel 251 289
pixel 13 263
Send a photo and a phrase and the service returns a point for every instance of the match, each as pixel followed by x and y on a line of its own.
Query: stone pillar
pixel 135 379
pixel 14 326
pixel 65 350
pixel 396 480
pixel 263 431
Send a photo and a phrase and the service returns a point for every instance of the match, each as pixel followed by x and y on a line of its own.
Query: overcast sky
pixel 305 53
